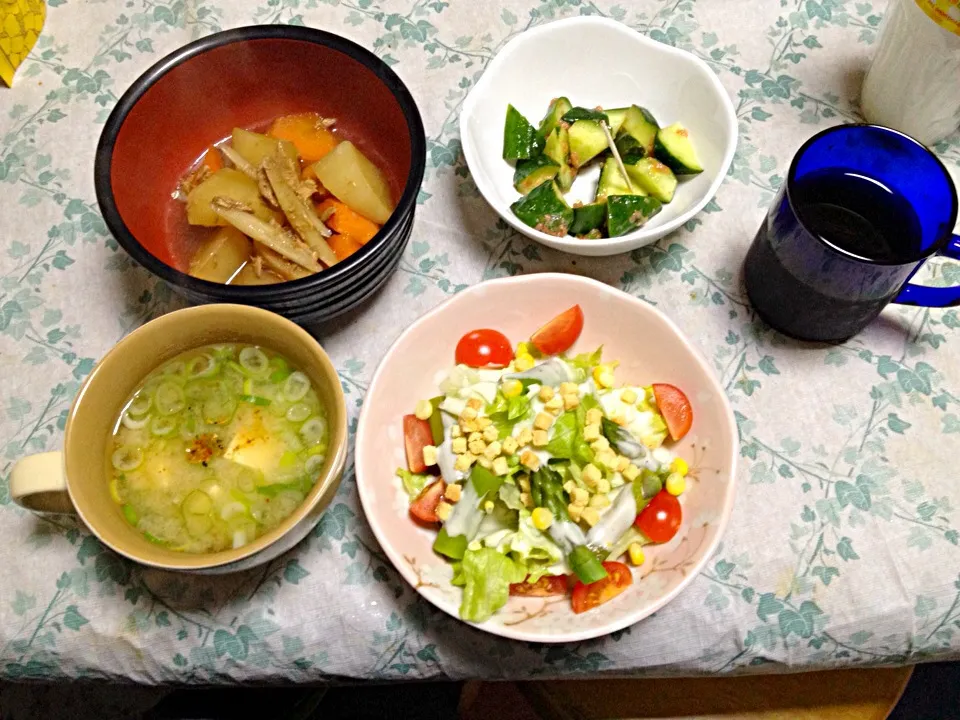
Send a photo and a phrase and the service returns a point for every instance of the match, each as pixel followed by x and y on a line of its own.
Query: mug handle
pixel 926 296
pixel 39 483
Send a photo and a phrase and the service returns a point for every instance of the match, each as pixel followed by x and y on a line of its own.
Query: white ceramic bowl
pixel 595 61
pixel 650 349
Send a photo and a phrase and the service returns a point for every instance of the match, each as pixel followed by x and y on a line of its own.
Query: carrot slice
pixel 343 246
pixel 311 139
pixel 345 221
pixel 212 159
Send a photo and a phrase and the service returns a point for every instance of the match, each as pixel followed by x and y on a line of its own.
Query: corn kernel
pixel 591 516
pixel 636 553
pixel 455 431
pixel 525 348
pixel 429 455
pixel 493 451
pixel 594 416
pixel 591 433
pixel 628 396
pixel 500 466
pixel 631 473
pixel 483 422
pixel 599 502
pixel 603 376
pixel 510 445
pixel 529 459
pixel 475 403
pixel 488 506
pixel 541 518
pixel 574 511
pixel 570 401
pixel 603 485
pixel 485 462
pixel 623 463
pixel 452 493
pixel 540 438
pixel 511 388
pixel 591 474
pixel 601 444
pixel 526 499
pixel 543 421
pixel 525 437
pixel 477 446
pixel 568 388
pixel 546 393
pixel 554 405
pixel 676 484
pixel 524 483
pixel 459 445
pixel 579 497
pixel 569 485
pixel 443 510
pixel 423 409
pixel 468 413
pixel 523 362
pixel 490 434
pixel 464 462
pixel 679 466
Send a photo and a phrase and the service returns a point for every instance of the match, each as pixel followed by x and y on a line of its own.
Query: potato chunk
pixel 354 180
pixel 254 147
pixel 220 257
pixel 226 183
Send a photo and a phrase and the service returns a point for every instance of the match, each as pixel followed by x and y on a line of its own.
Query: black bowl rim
pixel 251 294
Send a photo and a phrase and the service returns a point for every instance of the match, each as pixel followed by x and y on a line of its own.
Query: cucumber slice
pixel 545 209
pixel 626 213
pixel 587 140
pixel 653 177
pixel 558 149
pixel 588 217
pixel 675 150
pixel 582 113
pixel 533 172
pixel 558 106
pixel 637 134
pixel 616 117
pixel 520 140
pixel 612 181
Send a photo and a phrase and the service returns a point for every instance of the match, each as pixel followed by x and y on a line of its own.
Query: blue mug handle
pixel 936 297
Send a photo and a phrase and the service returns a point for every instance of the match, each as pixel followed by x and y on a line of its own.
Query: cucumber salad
pixel 640 162
pixel 540 473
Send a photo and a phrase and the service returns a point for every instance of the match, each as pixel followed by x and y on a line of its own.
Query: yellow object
pixel 679 466
pixel 512 388
pixel 603 376
pixel 628 396
pixel 676 484
pixel 543 421
pixel 591 516
pixel 591 474
pixel 631 473
pixel 423 410
pixel 452 493
pixel 20 24
pixel 488 506
pixel 599 502
pixel 490 434
pixel 636 553
pixel 523 362
pixel 546 393
pixel 945 13
pixel 501 467
pixel 429 455
pixel 510 445
pixel 459 445
pixel 571 401
pixel 443 510
pixel 542 518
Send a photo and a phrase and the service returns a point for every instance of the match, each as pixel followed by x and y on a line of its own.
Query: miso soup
pixel 217 447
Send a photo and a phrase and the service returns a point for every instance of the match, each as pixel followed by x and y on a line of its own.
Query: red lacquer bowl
pixel 245 78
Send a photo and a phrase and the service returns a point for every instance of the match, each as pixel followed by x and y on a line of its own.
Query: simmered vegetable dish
pixel 640 163
pixel 285 204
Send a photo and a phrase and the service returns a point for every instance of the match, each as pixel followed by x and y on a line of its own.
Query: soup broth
pixel 217 447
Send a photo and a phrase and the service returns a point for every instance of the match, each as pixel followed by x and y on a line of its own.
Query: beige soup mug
pixel 76 479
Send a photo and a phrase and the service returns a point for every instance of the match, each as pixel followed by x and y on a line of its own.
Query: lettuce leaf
pixel 567 442
pixel 413 483
pixel 487 575
pixel 506 413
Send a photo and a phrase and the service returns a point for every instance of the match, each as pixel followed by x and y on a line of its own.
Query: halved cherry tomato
pixel 416 436
pixel 661 518
pixel 484 348
pixel 675 408
pixel 544 587
pixel 424 506
pixel 560 333
pixel 587 597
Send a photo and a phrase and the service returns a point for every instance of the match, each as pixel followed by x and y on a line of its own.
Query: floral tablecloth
pixel 843 547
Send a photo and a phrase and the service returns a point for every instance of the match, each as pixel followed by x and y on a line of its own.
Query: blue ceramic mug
pixel 861 209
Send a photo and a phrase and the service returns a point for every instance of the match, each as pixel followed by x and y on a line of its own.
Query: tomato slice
pixel 661 518
pixel 587 597
pixel 416 436
pixel 560 333
pixel 546 586
pixel 424 506
pixel 675 408
pixel 484 348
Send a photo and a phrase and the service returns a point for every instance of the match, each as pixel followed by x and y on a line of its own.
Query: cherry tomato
pixel 484 348
pixel 661 518
pixel 675 408
pixel 424 506
pixel 587 597
pixel 560 333
pixel 416 436
pixel 544 587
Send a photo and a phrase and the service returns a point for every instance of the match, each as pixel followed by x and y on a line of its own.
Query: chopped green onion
pixel 140 405
pixel 296 386
pixel 453 547
pixel 154 539
pixel 162 426
pixel 299 412
pixel 126 458
pixel 169 399
pixel 254 400
pixel 131 515
pixel 585 565
pixel 254 360
pixel 248 386
pixel 313 430
pixel 279 375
